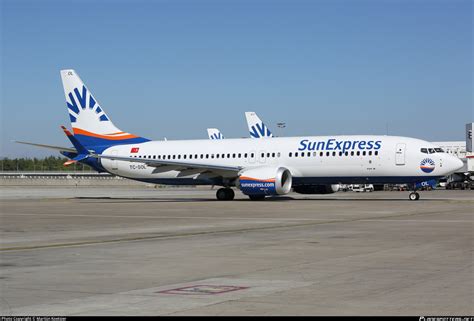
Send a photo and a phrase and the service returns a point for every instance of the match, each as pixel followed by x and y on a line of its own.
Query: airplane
pixel 256 127
pixel 257 167
pixel 214 133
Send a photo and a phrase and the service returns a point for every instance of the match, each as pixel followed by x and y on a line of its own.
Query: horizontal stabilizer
pixel 61 149
pixel 76 159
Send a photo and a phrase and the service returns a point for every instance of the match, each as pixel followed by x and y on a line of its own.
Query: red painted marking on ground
pixel 204 289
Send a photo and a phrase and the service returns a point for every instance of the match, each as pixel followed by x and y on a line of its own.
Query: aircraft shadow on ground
pixel 107 199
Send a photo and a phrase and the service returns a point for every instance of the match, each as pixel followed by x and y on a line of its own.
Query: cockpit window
pixel 431 150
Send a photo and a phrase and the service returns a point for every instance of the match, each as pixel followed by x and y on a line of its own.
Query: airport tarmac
pixel 146 251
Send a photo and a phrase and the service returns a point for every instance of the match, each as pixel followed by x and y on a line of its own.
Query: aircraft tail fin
pixel 214 133
pixel 90 124
pixel 256 126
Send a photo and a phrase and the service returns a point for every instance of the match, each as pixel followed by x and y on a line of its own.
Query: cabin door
pixel 400 154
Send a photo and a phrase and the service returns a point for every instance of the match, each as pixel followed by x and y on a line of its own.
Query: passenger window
pixel 228 155
pixel 278 154
pixel 273 155
pixel 252 155
pixel 340 153
pixel 309 154
pixel 315 154
pixel 352 153
pixel 268 155
pixel 223 156
pixel 154 156
pixel 346 153
pixel 263 155
pixel 358 153
pixel 370 153
pixel 179 156
pixel 217 155
pixel 239 155
pixel 296 154
pixel 202 156
pixel 245 155
pixel 290 154
pixel 376 152
pixel 212 155
pixel 207 155
pixel 327 153
pixel 321 154
pixel 333 153
pixel 233 155
pixel 363 153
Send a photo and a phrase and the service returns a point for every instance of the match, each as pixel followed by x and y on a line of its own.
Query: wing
pixel 62 149
pixel 230 170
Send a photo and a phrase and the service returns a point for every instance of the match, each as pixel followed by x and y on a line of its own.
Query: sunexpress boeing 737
pixel 258 167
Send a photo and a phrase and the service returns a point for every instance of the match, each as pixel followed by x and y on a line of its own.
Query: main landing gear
pixel 225 194
pixel 414 196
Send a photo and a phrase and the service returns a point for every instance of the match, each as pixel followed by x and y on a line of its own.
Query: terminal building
pixel 464 150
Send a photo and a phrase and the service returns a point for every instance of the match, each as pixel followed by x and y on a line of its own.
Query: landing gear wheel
pixel 230 194
pixel 257 197
pixel 225 194
pixel 414 196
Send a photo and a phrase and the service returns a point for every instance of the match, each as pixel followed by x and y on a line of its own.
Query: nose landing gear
pixel 414 196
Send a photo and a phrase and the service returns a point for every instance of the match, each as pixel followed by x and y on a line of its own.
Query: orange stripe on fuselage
pixel 270 180
pixel 78 131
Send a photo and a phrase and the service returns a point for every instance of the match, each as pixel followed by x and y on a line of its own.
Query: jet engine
pixel 261 181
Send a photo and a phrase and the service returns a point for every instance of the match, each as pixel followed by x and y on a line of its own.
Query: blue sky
pixel 173 68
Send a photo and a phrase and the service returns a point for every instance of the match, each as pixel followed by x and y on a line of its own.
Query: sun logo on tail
pixel 217 136
pixel 81 101
pixel 427 165
pixel 260 130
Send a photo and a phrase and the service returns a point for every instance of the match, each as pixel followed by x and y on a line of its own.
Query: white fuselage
pixel 325 159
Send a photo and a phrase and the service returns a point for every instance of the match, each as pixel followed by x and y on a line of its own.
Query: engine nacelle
pixel 265 181
pixel 316 189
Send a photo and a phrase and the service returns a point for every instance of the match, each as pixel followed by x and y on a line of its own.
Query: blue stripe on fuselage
pixel 100 144
pixel 300 180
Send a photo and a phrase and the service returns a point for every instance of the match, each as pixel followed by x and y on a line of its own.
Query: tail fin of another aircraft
pixel 214 133
pixel 257 128
pixel 90 124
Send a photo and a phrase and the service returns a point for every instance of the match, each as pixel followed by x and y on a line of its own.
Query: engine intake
pixel 265 181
